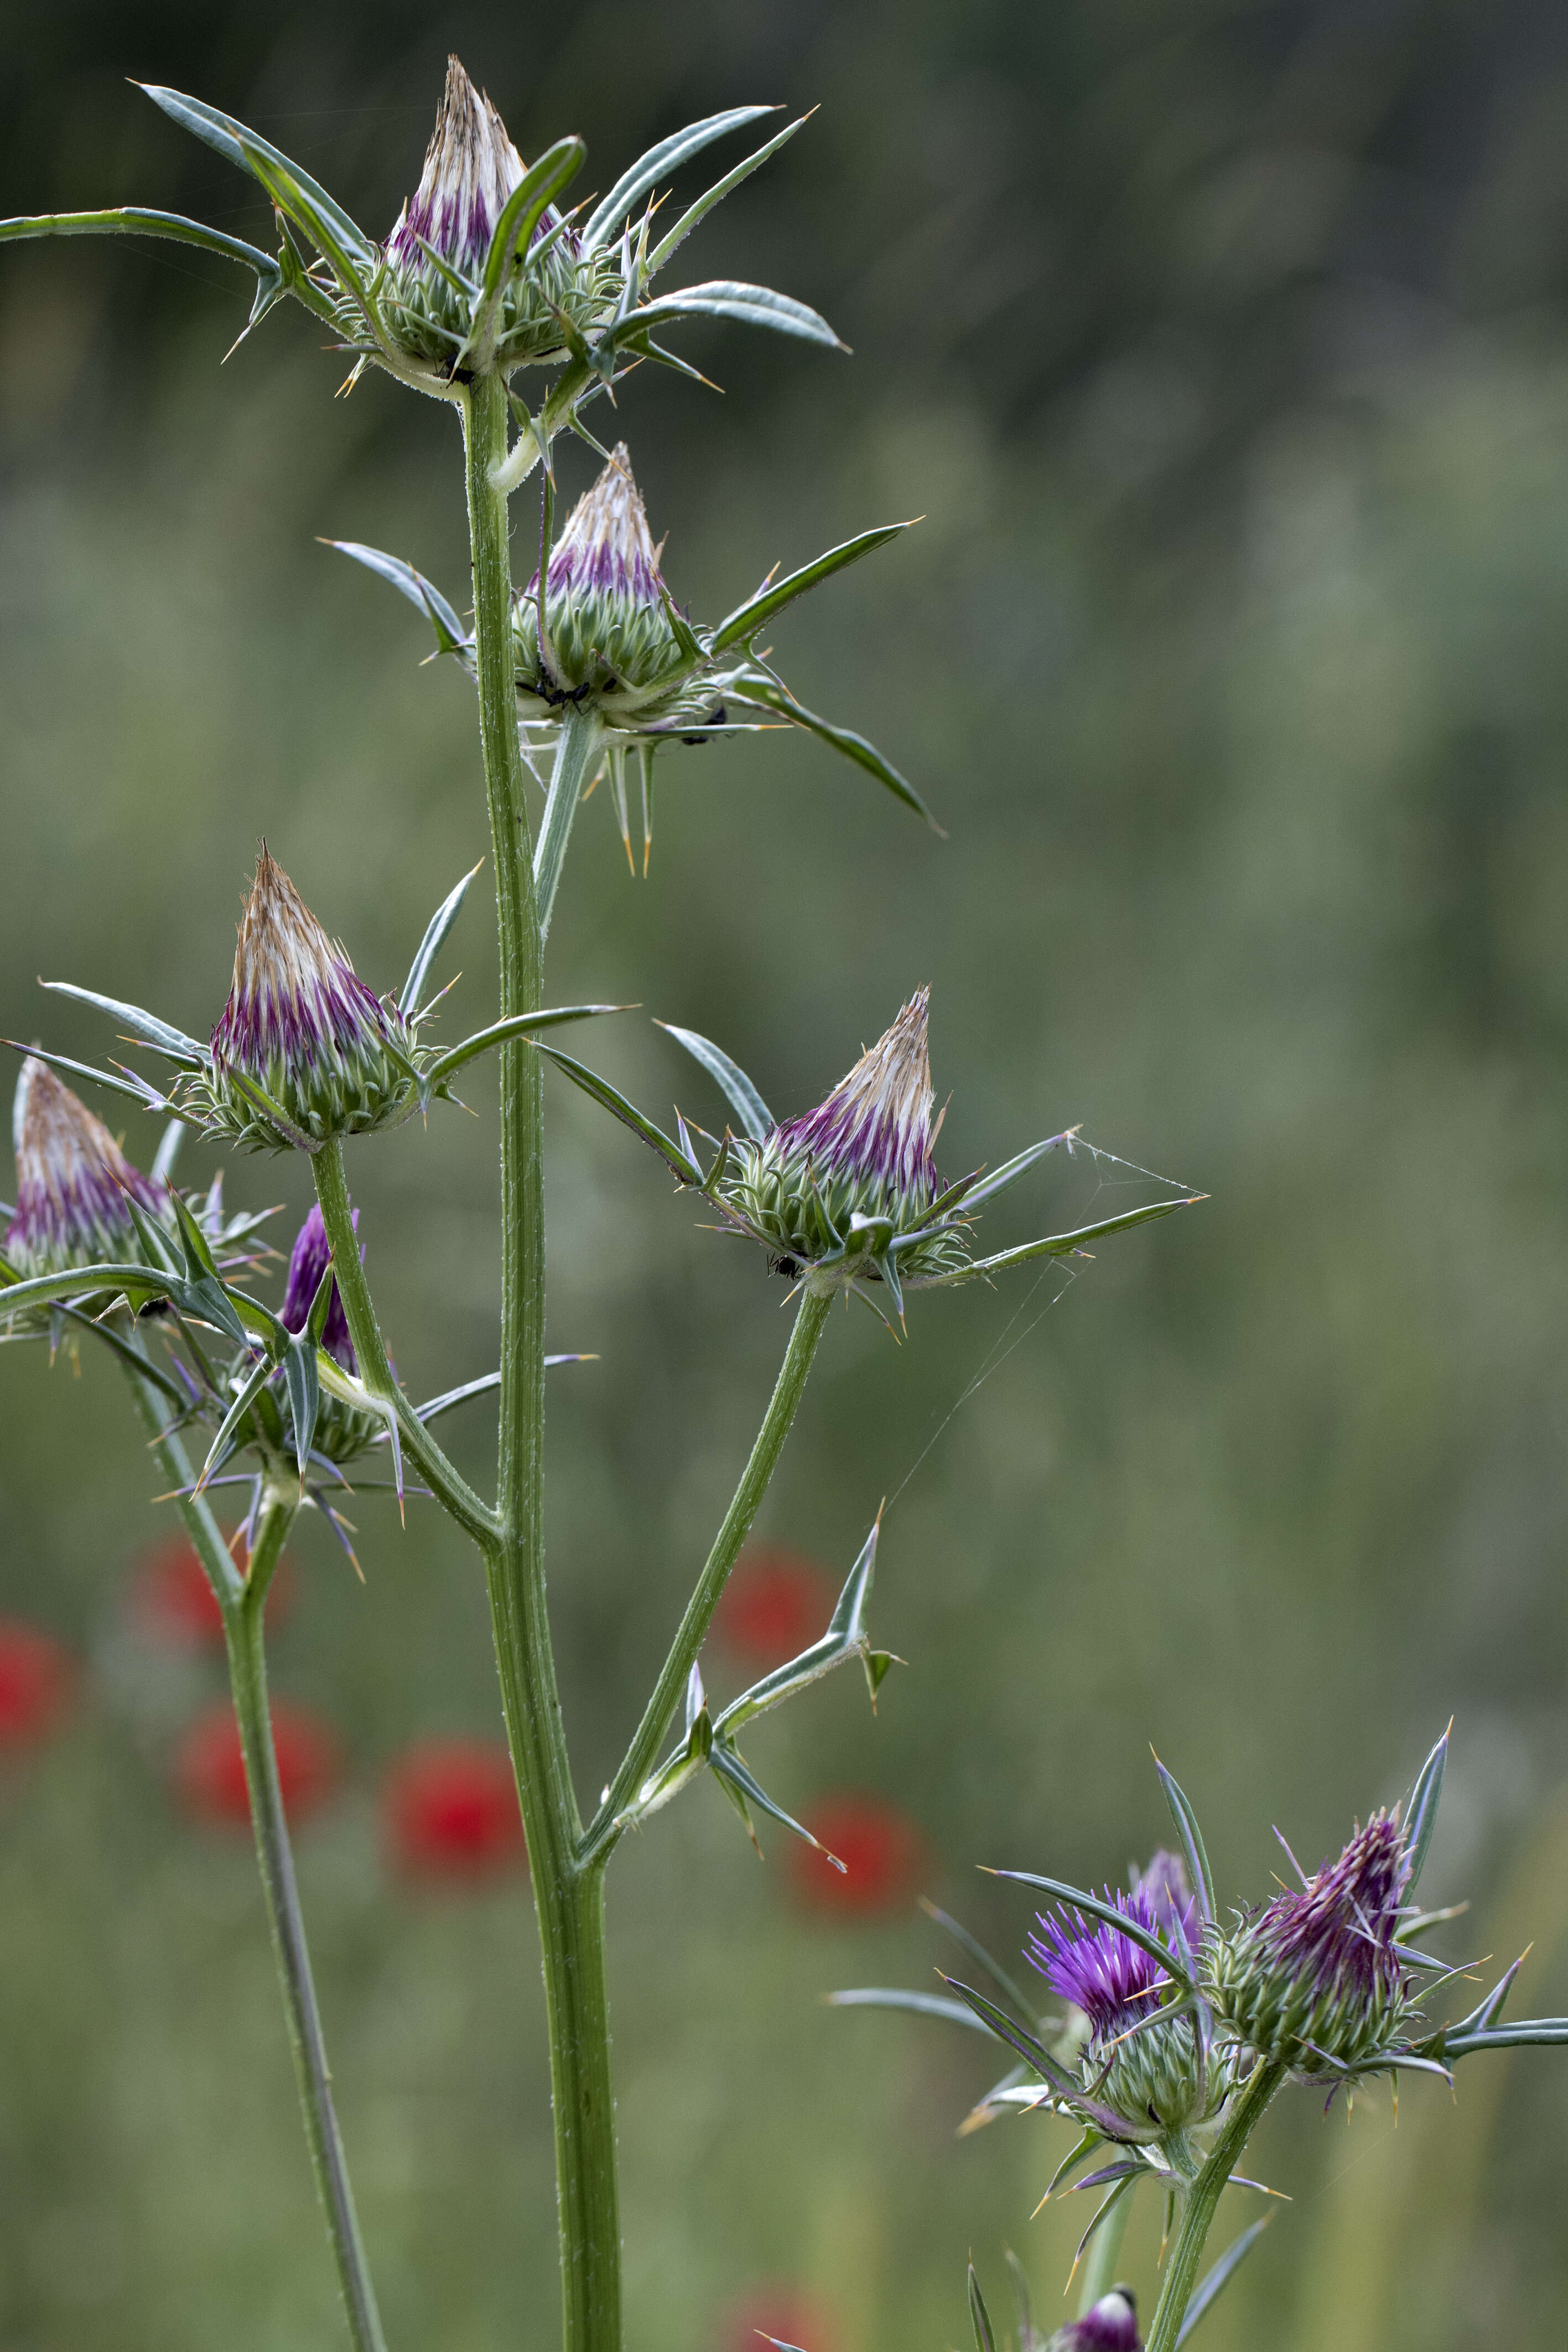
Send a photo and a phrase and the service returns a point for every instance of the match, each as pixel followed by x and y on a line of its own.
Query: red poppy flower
pixel 174 1603
pixel 778 2312
pixel 35 1676
pixel 209 1769
pixel 880 1848
pixel 774 1606
pixel 450 1809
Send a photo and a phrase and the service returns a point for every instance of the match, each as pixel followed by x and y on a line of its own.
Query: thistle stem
pixel 569 1899
pixel 660 1712
pixel 576 752
pixel 1203 2201
pixel 242 1601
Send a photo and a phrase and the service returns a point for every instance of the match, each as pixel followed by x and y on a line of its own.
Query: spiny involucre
pixel 302 1051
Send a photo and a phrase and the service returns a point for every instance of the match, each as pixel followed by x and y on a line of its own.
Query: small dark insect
pixel 715 718
pixel 787 1266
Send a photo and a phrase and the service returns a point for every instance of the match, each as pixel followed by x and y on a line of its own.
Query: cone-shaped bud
pixel 1148 2075
pixel 308 1261
pixel 1111 2327
pixel 864 1154
pixel 73 1183
pixel 607 624
pixel 1316 1979
pixel 301 1032
pixel 436 255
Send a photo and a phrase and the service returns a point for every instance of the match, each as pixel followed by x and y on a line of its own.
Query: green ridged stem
pixel 569 1899
pixel 243 1601
pixel 1203 2202
pixel 670 1689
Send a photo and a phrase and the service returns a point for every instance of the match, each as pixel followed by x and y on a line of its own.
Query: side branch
pixel 446 1482
pixel 668 1691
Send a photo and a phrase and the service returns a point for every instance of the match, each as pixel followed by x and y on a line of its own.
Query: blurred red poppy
pixel 209 1769
pixel 35 1677
pixel 450 1809
pixel 174 1603
pixel 880 1848
pixel 778 2312
pixel 775 1605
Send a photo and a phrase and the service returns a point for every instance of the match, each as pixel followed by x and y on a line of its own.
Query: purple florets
pixel 874 1128
pixel 470 170
pixel 1340 1928
pixel 1111 2327
pixel 73 1182
pixel 1100 1971
pixel 306 1264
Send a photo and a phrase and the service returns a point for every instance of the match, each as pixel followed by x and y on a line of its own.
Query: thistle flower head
pixel 850 1182
pixel 608 634
pixel 73 1183
pixel 1317 1978
pixel 1148 2075
pixel 1111 2327
pixel 301 1035
pixel 436 254
pixel 308 1261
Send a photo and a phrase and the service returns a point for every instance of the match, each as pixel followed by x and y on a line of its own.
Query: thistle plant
pixel 1182 2025
pixel 517 315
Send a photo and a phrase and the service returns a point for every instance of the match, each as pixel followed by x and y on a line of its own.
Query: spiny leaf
pixel 645 175
pixel 748 618
pixel 755 1119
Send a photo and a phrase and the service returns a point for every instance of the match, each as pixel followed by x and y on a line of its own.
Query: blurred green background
pixel 1224 349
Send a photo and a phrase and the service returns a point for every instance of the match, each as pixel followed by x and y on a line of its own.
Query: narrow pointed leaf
pixel 1060 1244
pixel 979 1954
pixel 167 1152
pixel 753 306
pixel 450 636
pixel 1219 2276
pixel 755 1119
pixel 137 1091
pixel 843 739
pixel 727 1764
pixel 1192 1842
pixel 524 210
pixel 138 220
pixel 521 1024
pixel 306 204
pixel 923 2004
pixel 748 618
pixel 171 1043
pixel 604 225
pixel 260 1373
pixel 979 2317
pixel 1421 1814
pixel 429 947
pixel 844 1638
pixel 690 218
pixel 987 1187
pixel 605 1094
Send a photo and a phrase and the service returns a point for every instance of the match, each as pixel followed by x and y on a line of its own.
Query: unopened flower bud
pixel 607 624
pixel 73 1183
pixel 1148 2075
pixel 308 1261
pixel 1111 2327
pixel 436 253
pixel 300 1034
pixel 1316 1979
pixel 851 1179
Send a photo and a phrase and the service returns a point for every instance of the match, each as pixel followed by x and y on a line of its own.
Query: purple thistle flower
pixel 307 1263
pixel 303 1027
pixel 1100 1971
pixel 1165 1883
pixel 1317 1978
pixel 874 1129
pixel 73 1182
pixel 606 548
pixel 471 168
pixel 1111 2327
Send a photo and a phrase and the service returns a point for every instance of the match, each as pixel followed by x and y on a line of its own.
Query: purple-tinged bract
pixel 1316 1978
pixel 430 292
pixel 73 1183
pixel 308 1261
pixel 607 631
pixel 302 1051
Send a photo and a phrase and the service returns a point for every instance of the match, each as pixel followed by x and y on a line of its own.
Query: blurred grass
pixel 1230 374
